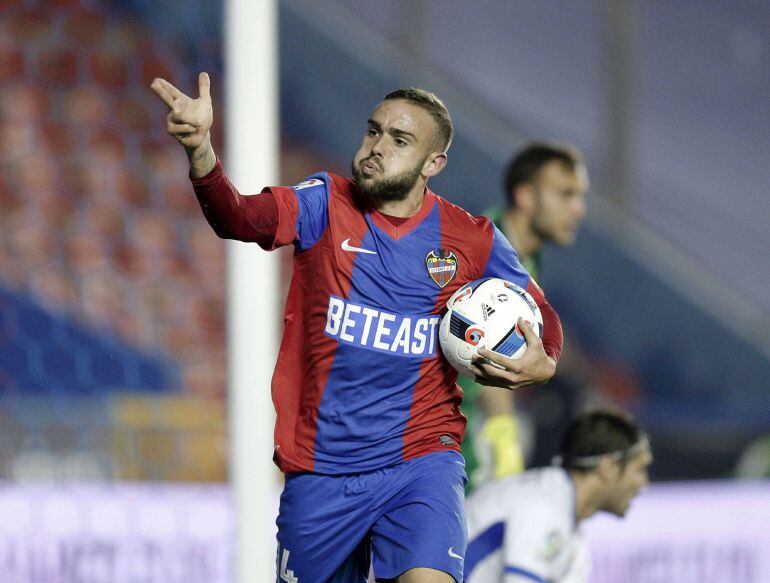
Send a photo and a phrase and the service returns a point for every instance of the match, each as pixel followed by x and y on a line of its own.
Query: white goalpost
pixel 252 140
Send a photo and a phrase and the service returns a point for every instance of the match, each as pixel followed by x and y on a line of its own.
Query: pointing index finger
pixel 166 91
pixel 161 92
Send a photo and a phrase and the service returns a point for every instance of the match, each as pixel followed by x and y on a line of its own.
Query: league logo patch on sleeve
pixel 552 546
pixel 308 183
pixel 441 265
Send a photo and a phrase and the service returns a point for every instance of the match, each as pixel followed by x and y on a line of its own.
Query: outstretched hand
pixel 533 368
pixel 189 120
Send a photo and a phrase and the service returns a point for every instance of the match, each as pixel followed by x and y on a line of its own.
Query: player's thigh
pixel 322 531
pixel 421 575
pixel 423 526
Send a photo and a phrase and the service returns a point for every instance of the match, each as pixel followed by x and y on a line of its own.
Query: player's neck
pixel 519 232
pixel 407 207
pixel 587 495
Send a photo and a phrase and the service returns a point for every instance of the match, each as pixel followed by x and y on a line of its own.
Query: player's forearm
pixel 202 159
pixel 232 215
pixel 553 336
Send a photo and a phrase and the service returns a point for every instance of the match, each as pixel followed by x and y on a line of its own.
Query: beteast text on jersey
pixel 413 335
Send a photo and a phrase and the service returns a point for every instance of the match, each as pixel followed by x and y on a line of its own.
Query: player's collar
pixel 396 232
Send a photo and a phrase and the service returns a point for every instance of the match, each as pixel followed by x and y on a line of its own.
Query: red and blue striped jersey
pixel 360 382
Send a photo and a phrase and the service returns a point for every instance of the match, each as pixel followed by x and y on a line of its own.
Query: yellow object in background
pixel 500 433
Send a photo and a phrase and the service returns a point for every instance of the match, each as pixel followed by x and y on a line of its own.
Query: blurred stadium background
pixel 112 295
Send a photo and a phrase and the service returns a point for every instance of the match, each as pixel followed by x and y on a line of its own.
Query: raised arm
pixel 230 214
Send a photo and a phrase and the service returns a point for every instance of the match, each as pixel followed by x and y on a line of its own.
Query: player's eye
pixel 371 132
pixel 400 142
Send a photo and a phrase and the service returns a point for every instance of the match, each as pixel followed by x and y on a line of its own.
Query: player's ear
pixel 434 164
pixel 608 468
pixel 523 197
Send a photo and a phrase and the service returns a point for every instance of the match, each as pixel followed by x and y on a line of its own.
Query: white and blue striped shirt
pixel 522 529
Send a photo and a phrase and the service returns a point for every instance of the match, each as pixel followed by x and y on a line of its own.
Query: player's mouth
pixel 370 166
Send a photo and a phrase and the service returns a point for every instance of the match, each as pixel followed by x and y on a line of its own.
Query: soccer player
pixel 368 424
pixel 526 527
pixel 545 189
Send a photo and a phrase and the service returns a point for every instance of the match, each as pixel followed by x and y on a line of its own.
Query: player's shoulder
pixel 319 180
pixel 552 482
pixel 532 502
pixel 326 184
pixel 545 495
pixel 461 218
pixel 339 183
pixel 541 490
pixel 339 180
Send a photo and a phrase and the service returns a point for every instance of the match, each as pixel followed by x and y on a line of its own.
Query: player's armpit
pixel 234 216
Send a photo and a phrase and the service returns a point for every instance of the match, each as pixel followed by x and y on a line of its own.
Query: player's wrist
pixel 549 368
pixel 202 159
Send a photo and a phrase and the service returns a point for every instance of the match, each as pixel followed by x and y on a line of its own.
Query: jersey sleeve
pixel 532 540
pixel 280 215
pixel 580 567
pixel 503 261
pixel 303 210
pixel 231 215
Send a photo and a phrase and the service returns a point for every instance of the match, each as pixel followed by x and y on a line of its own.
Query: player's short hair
pixel 593 435
pixel 526 164
pixel 434 106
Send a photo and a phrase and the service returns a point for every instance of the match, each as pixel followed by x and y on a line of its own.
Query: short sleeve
pixel 580 566
pixel 303 211
pixel 503 262
pixel 532 542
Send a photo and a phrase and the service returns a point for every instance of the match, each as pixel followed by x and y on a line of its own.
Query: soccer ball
pixel 485 313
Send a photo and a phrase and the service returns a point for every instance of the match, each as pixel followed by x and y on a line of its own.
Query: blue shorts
pixel 404 516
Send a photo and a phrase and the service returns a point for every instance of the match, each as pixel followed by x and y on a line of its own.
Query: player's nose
pixel 377 146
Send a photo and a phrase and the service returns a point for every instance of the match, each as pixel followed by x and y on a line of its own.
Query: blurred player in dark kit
pixel 545 189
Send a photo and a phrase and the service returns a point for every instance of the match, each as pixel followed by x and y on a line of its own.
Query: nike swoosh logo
pixel 453 554
pixel 346 246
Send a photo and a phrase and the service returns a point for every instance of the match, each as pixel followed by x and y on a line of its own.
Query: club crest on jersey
pixel 441 265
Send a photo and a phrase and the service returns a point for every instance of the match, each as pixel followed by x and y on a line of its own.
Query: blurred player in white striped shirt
pixel 526 527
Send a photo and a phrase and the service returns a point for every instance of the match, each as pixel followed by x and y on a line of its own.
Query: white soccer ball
pixel 485 313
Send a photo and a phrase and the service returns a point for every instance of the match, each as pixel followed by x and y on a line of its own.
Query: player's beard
pixel 540 225
pixel 541 229
pixel 381 189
